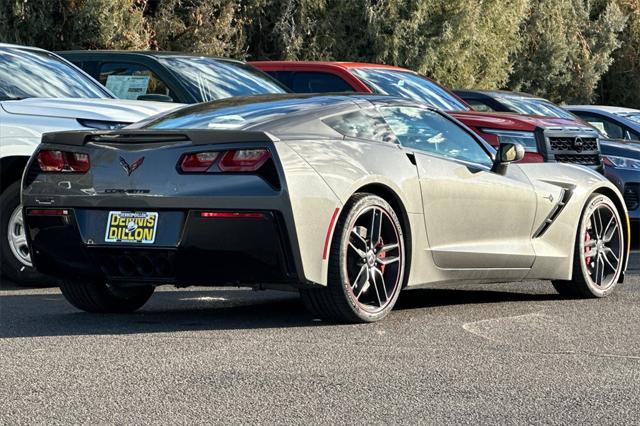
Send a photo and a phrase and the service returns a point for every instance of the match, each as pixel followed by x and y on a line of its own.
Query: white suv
pixel 41 92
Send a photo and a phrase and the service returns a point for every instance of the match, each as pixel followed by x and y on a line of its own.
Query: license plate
pixel 131 227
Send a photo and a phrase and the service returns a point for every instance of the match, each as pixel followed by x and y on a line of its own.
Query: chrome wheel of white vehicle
pixel 18 238
pixel 600 251
pixel 15 259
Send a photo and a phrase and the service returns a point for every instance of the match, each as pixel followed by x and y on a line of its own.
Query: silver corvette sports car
pixel 348 199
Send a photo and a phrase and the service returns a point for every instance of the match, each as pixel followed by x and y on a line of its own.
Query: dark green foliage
pixel 210 27
pixel 621 84
pixel 71 24
pixel 555 48
pixel 567 47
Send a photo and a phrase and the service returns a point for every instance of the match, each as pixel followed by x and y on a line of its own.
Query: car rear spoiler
pixel 195 136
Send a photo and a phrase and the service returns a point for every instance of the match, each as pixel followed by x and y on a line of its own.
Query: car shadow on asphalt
pixel 432 298
pixel 48 314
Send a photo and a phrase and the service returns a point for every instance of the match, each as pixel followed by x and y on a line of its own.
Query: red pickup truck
pixel 545 139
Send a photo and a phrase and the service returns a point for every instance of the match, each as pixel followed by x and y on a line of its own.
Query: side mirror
pixel 507 153
pixel 155 97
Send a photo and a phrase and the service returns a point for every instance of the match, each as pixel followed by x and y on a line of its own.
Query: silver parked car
pixel 348 199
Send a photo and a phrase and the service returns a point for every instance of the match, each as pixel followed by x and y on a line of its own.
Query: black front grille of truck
pixel 572 145
pixel 632 195
pixel 585 160
pixel 569 144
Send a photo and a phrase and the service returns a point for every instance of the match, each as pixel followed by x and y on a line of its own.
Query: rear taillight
pixel 63 161
pixel 243 160
pixel 237 160
pixel 198 163
pixel 77 162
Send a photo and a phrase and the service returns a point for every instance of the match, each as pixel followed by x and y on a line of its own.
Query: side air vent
pixel 565 195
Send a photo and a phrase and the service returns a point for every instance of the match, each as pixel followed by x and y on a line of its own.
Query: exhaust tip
pixel 126 265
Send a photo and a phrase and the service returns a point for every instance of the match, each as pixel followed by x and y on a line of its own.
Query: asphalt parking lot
pixel 501 353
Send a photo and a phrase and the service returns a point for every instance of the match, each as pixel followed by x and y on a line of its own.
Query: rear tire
pixel 15 260
pixel 599 251
pixel 104 298
pixel 366 264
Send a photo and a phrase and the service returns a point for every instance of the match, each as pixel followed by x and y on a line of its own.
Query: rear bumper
pixel 189 249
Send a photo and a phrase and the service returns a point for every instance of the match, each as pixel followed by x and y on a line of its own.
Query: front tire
pixel 366 264
pixel 599 251
pixel 15 260
pixel 105 298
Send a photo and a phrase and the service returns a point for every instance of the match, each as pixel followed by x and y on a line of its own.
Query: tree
pixel 292 29
pixel 568 46
pixel 459 43
pixel 75 24
pixel 210 27
pixel 621 84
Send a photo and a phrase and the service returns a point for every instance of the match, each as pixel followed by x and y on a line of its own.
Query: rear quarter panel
pixel 344 170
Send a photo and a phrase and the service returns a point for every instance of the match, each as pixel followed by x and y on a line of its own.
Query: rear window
pixel 478 105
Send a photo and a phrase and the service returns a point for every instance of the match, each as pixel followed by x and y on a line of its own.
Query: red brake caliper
pixel 382 255
pixel 587 238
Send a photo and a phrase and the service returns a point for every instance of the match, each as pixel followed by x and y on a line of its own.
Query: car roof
pixel 282 112
pixel 312 101
pixel 332 64
pixel 499 93
pixel 17 46
pixel 605 108
pixel 148 53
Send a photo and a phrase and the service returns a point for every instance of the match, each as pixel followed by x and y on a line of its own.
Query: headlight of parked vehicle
pixel 621 162
pixel 101 125
pixel 526 139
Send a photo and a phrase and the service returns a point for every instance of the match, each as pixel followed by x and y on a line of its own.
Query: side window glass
pixel 362 125
pixel 478 105
pixel 90 67
pixel 633 135
pixel 605 126
pixel 428 131
pixel 283 77
pixel 129 81
pixel 613 129
pixel 317 82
